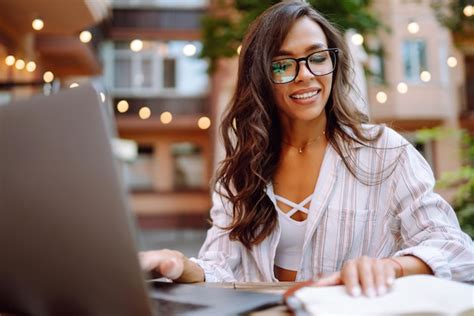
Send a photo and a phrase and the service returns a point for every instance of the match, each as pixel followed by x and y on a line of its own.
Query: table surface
pixel 261 287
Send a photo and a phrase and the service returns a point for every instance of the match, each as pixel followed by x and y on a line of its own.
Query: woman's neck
pixel 299 134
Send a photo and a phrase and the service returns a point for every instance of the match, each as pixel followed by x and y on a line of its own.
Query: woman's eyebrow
pixel 308 49
pixel 316 46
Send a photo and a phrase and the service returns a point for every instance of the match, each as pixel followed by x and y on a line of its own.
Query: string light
pixel 10 60
pixel 144 113
pixel 48 76
pixel 189 50
pixel 31 66
pixel 402 87
pixel 37 24
pixel 425 76
pixel 20 64
pixel 136 45
pixel 452 62
pixel 357 39
pixel 381 97
pixel 204 122
pixel 122 106
pixel 413 27
pixel 166 117
pixel 468 10
pixel 85 36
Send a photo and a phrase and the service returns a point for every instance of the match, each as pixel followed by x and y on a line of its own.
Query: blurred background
pixel 167 69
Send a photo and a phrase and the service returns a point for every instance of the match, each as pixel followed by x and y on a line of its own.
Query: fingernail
pixel 355 291
pixel 390 281
pixel 382 290
pixel 370 292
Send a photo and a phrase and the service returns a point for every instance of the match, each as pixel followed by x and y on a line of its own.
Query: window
pixel 139 173
pixel 169 73
pixel 160 68
pixel 414 59
pixel 376 62
pixel 188 166
pixel 425 149
pixel 185 4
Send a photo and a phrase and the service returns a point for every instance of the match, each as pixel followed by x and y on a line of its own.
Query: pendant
pixel 300 150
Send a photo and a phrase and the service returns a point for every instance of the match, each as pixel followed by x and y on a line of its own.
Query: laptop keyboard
pixel 166 307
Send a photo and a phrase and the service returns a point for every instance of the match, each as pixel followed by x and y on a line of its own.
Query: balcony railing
pixel 177 105
pixel 181 4
pixel 157 20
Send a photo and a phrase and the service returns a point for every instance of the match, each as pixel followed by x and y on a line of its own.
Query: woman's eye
pixel 280 67
pixel 318 58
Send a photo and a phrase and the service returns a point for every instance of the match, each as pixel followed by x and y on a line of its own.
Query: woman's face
pixel 304 98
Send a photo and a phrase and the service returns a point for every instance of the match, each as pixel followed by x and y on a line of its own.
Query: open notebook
pixel 411 295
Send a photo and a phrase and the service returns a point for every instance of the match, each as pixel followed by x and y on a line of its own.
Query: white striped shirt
pixel 348 219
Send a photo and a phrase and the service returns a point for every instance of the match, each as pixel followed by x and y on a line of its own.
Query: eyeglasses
pixel 319 63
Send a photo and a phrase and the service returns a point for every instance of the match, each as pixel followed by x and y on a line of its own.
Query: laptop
pixel 67 243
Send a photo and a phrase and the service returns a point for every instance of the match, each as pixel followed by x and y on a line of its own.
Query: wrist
pixel 399 270
pixel 192 272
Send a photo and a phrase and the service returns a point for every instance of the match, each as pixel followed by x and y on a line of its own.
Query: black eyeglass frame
pixel 298 60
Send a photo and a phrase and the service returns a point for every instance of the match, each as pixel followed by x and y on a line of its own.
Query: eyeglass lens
pixel 319 63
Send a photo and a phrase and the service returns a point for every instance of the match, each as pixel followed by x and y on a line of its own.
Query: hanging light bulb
pixel 413 27
pixel 85 36
pixel 189 49
pixel 144 113
pixel 166 117
pixel 31 66
pixel 381 97
pixel 468 10
pixel 122 106
pixel 10 60
pixel 136 45
pixel 37 24
pixel 452 61
pixel 204 122
pixel 357 39
pixel 48 76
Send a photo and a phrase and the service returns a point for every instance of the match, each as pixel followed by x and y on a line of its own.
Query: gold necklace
pixel 302 148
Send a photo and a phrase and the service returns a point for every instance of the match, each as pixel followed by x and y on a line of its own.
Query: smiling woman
pixel 308 187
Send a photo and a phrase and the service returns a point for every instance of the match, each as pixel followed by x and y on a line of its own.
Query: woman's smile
pixel 305 96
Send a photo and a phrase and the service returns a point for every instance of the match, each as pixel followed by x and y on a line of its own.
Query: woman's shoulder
pixel 382 136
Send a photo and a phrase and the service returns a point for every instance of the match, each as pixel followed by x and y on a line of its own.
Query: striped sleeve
pixel 429 227
pixel 219 257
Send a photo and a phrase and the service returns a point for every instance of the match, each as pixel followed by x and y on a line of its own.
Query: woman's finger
pixel 332 279
pixel 366 276
pixel 172 268
pixel 378 270
pixel 350 278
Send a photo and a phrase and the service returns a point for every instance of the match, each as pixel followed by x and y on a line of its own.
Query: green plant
pixel 224 28
pixel 450 14
pixel 462 179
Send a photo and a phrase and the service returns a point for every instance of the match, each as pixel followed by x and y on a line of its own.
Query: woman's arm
pixel 372 276
pixel 218 259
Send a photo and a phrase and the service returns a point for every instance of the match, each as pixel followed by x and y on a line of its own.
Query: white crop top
pixel 289 250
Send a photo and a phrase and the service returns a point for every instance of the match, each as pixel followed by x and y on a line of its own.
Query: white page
pixel 409 295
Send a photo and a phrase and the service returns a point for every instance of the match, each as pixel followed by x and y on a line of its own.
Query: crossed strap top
pixel 289 249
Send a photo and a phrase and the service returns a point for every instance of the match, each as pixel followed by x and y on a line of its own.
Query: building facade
pixel 44 36
pixel 421 79
pixel 160 87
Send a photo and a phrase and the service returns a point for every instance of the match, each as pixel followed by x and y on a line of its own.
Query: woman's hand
pixel 171 264
pixel 365 275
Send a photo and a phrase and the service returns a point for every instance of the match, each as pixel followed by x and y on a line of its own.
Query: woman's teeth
pixel 306 95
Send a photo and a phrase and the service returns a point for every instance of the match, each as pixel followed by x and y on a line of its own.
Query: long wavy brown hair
pixel 251 130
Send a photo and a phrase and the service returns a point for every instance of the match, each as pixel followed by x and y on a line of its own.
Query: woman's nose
pixel 303 72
